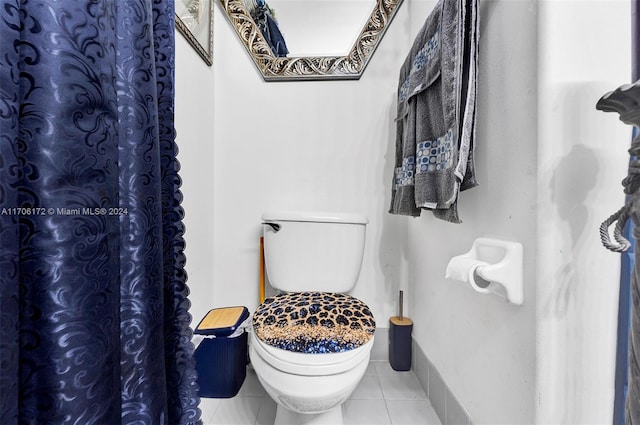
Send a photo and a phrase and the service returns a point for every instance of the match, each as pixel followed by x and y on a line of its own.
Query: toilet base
pixel 285 416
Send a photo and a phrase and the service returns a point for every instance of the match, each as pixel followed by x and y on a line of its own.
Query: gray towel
pixel 436 120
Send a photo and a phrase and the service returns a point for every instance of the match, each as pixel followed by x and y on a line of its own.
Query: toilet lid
pixel 314 322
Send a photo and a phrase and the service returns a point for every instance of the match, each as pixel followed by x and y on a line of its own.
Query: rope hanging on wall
pixel 620 217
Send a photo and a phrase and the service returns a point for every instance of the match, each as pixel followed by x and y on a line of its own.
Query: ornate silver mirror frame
pixel 275 68
pixel 194 20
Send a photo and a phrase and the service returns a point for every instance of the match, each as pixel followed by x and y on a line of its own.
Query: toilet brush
pixel 400 328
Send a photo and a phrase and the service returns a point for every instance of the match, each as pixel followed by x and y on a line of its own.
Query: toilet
pixel 310 343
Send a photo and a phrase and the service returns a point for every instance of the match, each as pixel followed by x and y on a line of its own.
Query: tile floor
pixel 383 397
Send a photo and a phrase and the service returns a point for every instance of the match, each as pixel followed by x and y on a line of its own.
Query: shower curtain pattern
pixel 94 322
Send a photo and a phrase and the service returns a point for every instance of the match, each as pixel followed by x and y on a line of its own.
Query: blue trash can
pixel 222 356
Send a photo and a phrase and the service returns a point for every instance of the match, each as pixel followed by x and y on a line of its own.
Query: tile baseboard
pixel 444 402
pixel 380 350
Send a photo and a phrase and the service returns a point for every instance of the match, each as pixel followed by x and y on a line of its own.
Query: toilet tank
pixel 313 251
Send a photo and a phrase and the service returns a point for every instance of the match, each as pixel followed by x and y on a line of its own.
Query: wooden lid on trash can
pixel 222 321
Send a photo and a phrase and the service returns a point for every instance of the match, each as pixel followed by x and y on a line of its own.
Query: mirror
pixel 194 20
pixel 292 40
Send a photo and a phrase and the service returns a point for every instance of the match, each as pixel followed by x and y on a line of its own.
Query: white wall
pixel 303 145
pixel 194 121
pixel 483 347
pixel 582 160
pixel 547 180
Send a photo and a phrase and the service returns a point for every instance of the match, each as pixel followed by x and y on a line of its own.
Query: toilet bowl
pixel 310 344
pixel 308 388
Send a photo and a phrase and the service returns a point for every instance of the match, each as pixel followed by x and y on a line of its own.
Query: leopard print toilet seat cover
pixel 314 322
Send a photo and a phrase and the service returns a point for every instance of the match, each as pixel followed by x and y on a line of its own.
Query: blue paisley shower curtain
pixel 94 322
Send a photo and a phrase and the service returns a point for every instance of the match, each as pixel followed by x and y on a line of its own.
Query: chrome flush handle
pixel 274 226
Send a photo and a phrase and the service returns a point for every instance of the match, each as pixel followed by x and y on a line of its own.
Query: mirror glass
pixel 321 27
pixel 310 39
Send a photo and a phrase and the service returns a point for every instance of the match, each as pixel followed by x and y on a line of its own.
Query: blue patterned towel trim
pixel 422 58
pixel 404 174
pixel 435 155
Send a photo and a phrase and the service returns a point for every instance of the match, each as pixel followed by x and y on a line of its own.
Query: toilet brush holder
pixel 400 328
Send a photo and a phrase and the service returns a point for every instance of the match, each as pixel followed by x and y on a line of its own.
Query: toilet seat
pixel 309 364
pixel 313 322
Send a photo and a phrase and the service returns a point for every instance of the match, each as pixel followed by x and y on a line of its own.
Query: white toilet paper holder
pixel 491 266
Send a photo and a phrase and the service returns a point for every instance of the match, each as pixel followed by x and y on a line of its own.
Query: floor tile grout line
pixel 376 370
pixel 212 413
pixel 386 407
pixel 384 397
